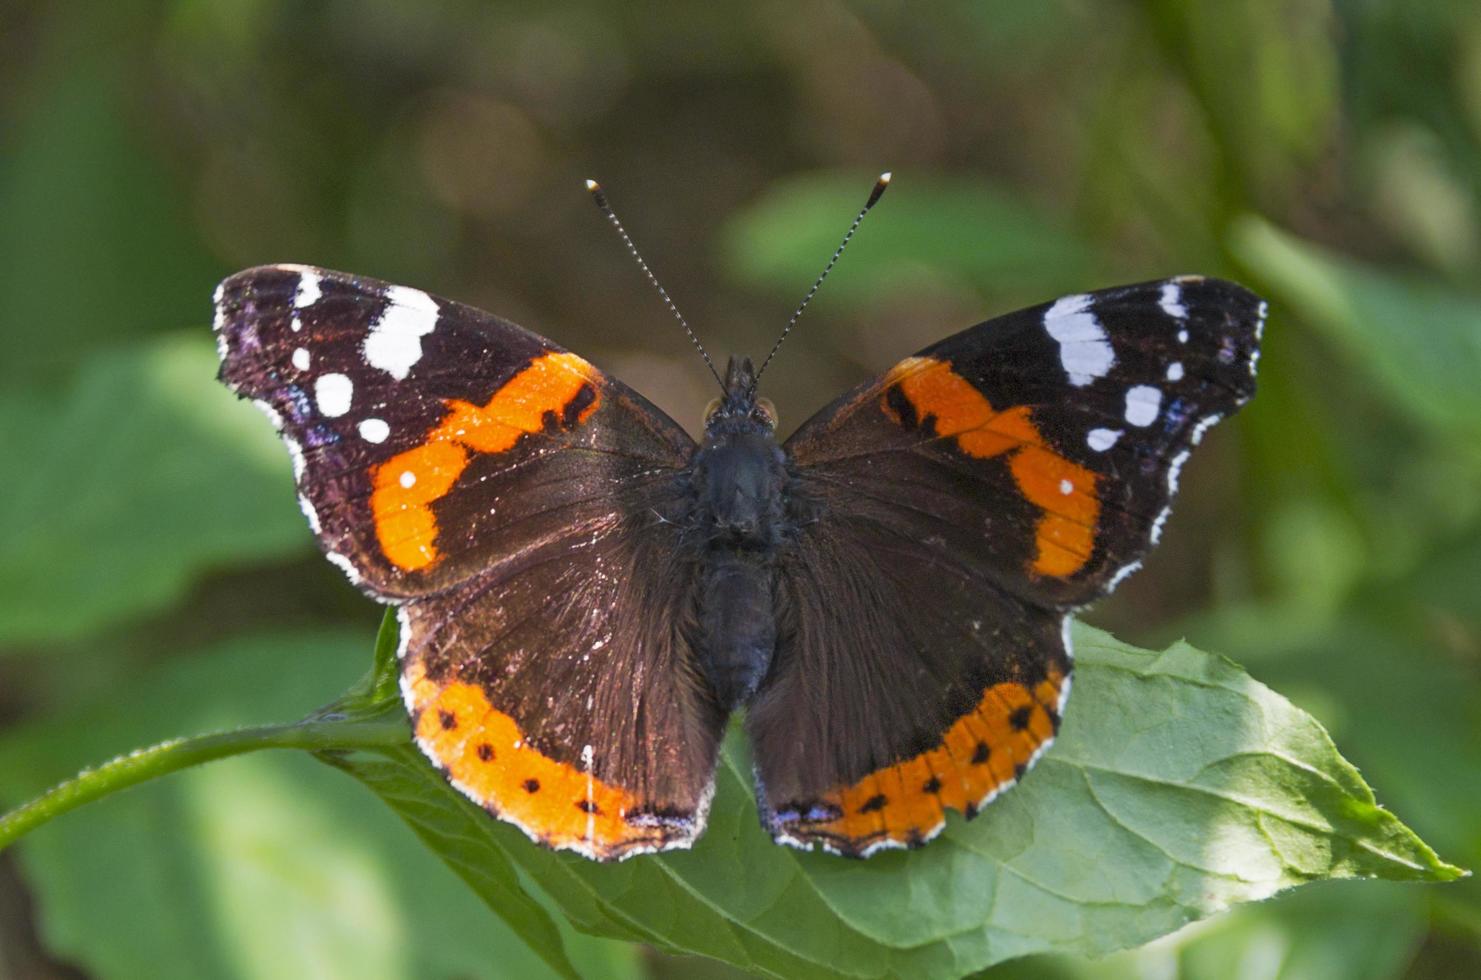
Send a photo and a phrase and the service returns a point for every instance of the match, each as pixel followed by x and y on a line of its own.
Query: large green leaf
pixel 97 241
pixel 1330 931
pixel 1419 341
pixel 260 866
pixel 143 474
pixel 1179 787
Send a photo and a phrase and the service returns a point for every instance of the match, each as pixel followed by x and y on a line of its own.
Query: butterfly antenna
pixel 601 200
pixel 880 186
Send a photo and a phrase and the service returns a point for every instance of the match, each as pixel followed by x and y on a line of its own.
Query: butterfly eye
pixel 711 409
pixel 767 411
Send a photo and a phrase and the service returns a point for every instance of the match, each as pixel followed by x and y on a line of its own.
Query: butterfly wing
pixel 951 513
pixel 518 505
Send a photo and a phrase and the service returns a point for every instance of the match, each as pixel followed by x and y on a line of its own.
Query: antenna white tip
pixel 884 178
pixel 592 185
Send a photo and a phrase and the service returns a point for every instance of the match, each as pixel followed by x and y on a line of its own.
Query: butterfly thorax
pixel 739 480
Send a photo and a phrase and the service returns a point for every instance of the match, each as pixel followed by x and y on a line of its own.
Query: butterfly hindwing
pixel 560 692
pixel 951 513
pixel 519 506
pixel 902 686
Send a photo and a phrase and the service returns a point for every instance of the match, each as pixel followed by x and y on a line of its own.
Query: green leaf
pixel 258 864
pixel 1329 931
pixel 1391 681
pixel 965 230
pixel 141 476
pixel 98 242
pixel 1179 787
pixel 1280 112
pixel 1420 342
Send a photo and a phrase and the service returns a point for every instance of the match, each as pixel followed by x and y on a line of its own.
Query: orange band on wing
pixel 1064 491
pixel 485 754
pixel 985 751
pixel 554 391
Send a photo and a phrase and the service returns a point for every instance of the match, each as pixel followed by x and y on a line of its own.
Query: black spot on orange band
pixel 555 391
pixel 905 803
pixel 487 756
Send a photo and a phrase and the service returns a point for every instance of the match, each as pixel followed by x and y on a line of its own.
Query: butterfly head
pixel 739 410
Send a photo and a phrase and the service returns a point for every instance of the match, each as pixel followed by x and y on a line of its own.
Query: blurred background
pixel 157 579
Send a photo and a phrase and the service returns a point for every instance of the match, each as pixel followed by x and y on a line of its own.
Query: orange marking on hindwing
pixel 539 398
pixel 983 751
pixel 1065 491
pixel 484 752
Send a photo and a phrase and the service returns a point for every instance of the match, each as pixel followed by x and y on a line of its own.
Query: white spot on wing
pixel 1143 402
pixel 1084 350
pixel 333 393
pixel 1175 371
pixel 408 479
pixel 301 358
pixel 395 341
pixel 308 292
pixel 1182 336
pixel 1171 301
pixel 1066 487
pixel 1102 439
pixel 374 430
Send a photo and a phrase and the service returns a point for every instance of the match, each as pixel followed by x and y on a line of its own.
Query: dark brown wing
pixel 519 507
pixel 557 690
pixel 429 438
pixel 951 514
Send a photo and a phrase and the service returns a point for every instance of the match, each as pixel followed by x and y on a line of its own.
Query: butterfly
pixel 586 594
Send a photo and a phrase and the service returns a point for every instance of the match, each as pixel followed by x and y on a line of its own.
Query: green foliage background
pixel 157 579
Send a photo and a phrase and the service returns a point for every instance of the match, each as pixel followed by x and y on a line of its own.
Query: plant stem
pixel 319 733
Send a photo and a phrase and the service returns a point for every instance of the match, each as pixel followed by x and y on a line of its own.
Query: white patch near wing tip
pixel 1084 350
pixel 1171 300
pixel 309 291
pixel 394 344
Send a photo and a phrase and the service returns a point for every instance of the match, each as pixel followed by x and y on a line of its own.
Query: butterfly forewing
pixel 413 420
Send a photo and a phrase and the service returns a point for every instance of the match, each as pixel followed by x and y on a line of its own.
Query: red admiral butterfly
pixel 585 594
